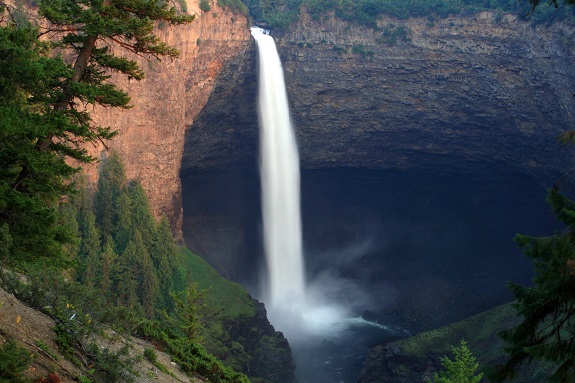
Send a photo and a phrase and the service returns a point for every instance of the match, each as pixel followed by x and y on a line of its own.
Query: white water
pixel 298 309
pixel 307 313
pixel 280 179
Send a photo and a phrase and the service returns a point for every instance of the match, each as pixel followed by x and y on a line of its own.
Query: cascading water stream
pixel 280 178
pixel 296 309
pixel 306 313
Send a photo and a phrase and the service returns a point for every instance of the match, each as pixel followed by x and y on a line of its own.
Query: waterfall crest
pixel 280 178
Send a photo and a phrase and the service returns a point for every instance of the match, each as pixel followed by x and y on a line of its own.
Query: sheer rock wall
pixel 465 91
pixel 166 102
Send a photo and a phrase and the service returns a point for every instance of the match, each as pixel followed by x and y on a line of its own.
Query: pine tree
pixel 111 185
pixel 164 254
pixel 68 218
pixel 31 181
pixel 43 116
pixel 89 268
pixel 187 307
pixel 126 277
pixel 459 370
pixel 146 275
pixel 108 260
pixel 141 214
pixel 547 332
pixel 124 225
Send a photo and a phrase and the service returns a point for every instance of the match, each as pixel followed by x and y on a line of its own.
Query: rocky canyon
pixel 426 145
pixel 483 88
pixel 464 111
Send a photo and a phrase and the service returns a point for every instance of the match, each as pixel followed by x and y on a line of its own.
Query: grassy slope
pixel 225 303
pixel 228 299
pixel 480 331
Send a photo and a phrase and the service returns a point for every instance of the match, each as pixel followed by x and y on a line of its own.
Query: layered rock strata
pixel 465 91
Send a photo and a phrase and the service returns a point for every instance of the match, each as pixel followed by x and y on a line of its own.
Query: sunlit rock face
pixel 460 92
pixel 150 137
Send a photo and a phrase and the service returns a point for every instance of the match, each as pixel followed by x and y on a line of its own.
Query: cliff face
pixel 151 133
pixel 464 91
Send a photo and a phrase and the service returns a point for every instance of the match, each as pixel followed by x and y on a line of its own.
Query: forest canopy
pixel 279 14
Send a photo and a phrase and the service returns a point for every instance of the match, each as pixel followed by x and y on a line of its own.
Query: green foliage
pixel 187 307
pixel 152 357
pixel 112 366
pixel 42 346
pixel 31 181
pixel 138 262
pixel 391 35
pixel 183 5
pixel 225 298
pixel 280 14
pixel 205 5
pixel 124 279
pixel 191 357
pixel 459 370
pixel 89 263
pixel 14 360
pixel 107 205
pixel 360 50
pixel 236 6
pixel 548 307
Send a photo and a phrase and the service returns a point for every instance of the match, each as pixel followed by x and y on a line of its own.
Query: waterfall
pixel 280 178
pixel 306 314
pixel 298 309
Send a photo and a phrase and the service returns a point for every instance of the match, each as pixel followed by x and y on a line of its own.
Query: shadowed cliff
pixel 465 92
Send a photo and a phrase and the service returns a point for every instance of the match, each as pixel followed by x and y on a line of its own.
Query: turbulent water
pixel 280 178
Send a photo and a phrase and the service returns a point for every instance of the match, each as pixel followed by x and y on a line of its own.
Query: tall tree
pixel 124 227
pixel 126 277
pixel 111 186
pixel 187 307
pixel 141 213
pixel 547 332
pixel 108 260
pixel 31 181
pixel 164 255
pixel 147 280
pixel 89 265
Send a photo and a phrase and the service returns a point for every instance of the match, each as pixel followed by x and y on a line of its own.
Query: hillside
pixel 414 359
pixel 34 331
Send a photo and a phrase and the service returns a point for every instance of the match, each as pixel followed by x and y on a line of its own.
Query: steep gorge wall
pixel 151 133
pixel 476 91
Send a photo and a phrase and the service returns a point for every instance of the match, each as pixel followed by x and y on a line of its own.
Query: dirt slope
pixel 31 329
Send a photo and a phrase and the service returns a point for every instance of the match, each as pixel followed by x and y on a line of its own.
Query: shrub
pixel 13 361
pixel 205 5
pixel 461 369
